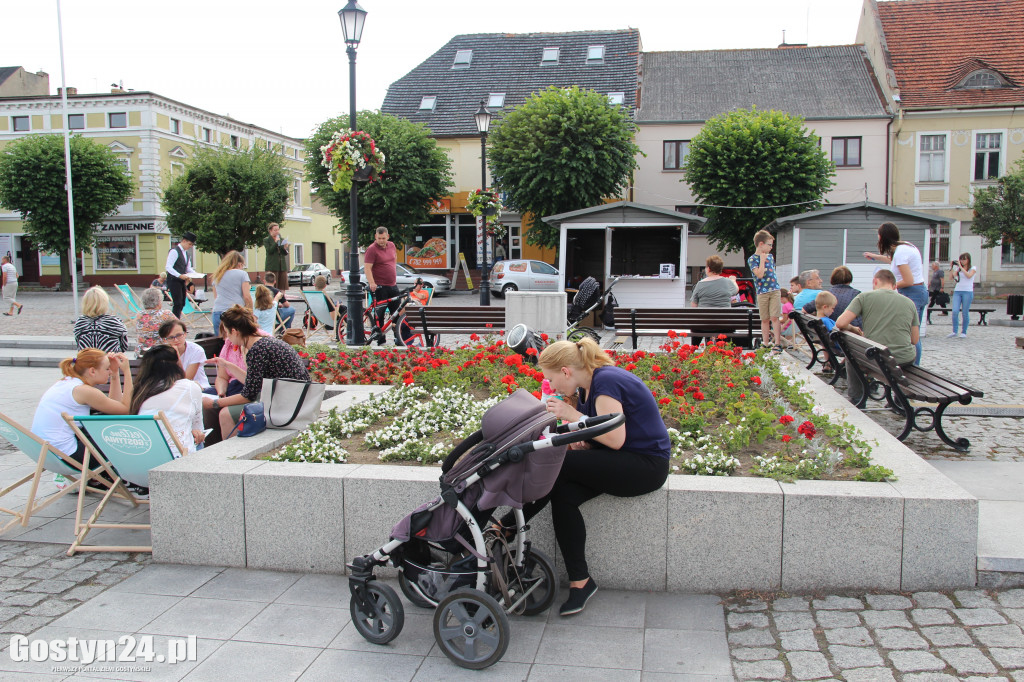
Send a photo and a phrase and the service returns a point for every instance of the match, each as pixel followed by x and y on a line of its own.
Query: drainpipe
pixel 888 157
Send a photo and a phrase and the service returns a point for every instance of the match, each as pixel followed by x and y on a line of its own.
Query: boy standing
pixel 769 297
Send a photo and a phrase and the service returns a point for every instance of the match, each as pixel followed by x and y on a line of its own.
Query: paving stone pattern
pixel 960 635
pixel 39 582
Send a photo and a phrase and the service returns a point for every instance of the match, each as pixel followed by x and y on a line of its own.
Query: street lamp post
pixel 483 122
pixel 353 17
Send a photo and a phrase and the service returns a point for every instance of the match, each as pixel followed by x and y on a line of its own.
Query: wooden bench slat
pixel 735 323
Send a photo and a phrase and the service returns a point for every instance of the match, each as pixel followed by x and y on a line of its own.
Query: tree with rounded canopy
pixel 33 182
pixel 563 149
pixel 416 172
pixel 750 167
pixel 227 197
pixel 999 211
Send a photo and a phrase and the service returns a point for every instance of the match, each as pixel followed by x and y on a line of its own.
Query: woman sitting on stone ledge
pixel 630 461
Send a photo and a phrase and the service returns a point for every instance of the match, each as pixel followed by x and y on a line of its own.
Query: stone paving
pixel 927 636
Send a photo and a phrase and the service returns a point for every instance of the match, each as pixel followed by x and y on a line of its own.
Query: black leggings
pixel 586 474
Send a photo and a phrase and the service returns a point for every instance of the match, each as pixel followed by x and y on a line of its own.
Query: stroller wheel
pixel 581 333
pixel 471 628
pixel 538 574
pixel 411 594
pixel 381 618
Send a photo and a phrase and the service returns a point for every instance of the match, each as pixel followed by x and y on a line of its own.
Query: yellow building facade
pixel 154 137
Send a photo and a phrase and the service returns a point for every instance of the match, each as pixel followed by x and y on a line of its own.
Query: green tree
pixel 564 149
pixel 999 210
pixel 32 182
pixel 416 171
pixel 228 196
pixel 751 159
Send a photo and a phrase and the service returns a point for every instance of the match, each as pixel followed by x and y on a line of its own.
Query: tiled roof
pixel 511 63
pixel 813 82
pixel 934 44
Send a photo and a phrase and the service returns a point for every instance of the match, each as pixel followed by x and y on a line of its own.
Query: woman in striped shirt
pixel 97 328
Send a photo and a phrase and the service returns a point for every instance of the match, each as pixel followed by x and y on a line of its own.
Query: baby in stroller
pixel 453 557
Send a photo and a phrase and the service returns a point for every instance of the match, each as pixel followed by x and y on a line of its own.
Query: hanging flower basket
pixel 352 156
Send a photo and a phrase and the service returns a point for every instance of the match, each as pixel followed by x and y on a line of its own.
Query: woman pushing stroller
pixel 628 461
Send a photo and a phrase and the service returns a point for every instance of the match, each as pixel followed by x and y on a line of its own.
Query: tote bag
pixel 290 403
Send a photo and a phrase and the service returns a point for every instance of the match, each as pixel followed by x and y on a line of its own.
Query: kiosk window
pixel 642 250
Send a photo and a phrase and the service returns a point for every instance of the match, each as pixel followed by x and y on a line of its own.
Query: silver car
pixel 306 273
pixel 407 276
pixel 523 275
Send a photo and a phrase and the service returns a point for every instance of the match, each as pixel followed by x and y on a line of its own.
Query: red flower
pixel 698 395
pixel 665 401
pixel 474 337
pixel 320 357
pixel 678 383
pixel 631 367
pixel 786 438
pixel 786 419
pixel 672 334
pixel 807 429
pixel 743 395
pixel 731 385
pixel 756 380
pixel 543 337
pixel 531 351
pixel 655 368
pixel 536 394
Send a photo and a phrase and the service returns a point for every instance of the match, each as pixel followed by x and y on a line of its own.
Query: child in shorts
pixel 769 299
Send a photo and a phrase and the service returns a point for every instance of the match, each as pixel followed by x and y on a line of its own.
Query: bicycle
pixel 379 319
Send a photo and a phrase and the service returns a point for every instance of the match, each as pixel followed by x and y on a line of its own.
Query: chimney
pixel 71 91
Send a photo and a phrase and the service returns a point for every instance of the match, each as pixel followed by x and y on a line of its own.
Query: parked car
pixel 407 276
pixel 523 275
pixel 307 272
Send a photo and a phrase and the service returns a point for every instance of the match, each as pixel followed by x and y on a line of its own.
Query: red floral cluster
pixel 807 430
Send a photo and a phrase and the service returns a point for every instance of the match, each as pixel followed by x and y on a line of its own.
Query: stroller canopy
pixel 586 297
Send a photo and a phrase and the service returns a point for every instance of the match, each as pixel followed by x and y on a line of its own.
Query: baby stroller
pixel 587 299
pixel 454 557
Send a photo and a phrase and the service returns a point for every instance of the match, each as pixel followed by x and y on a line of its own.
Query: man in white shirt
pixel 10 285
pixel 178 267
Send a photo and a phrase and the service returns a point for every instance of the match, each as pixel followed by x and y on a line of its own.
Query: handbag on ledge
pixel 290 403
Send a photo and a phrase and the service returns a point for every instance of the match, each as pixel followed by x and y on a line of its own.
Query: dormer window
pixel 428 102
pixel 549 56
pixel 982 79
pixel 463 58
pixel 496 100
pixel 616 97
pixel 595 53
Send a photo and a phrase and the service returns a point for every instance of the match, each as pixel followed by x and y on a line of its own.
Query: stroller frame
pixel 470 624
pixel 575 331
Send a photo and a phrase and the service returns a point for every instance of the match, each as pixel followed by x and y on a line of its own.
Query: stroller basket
pixel 436 581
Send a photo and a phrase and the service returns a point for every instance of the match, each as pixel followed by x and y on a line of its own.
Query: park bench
pixel 821 348
pixel 740 325
pixel 871 366
pixel 439 320
pixel 982 312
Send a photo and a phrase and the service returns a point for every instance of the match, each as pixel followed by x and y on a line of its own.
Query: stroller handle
pixel 587 428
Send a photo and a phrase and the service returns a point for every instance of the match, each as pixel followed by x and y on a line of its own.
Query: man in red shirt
pixel 381 275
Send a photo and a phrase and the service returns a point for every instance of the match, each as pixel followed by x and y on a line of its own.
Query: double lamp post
pixel 483 122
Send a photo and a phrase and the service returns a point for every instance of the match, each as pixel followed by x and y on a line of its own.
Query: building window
pixel 939 247
pixel 932 159
pixel 846 151
pixel 297 252
pixel 177 169
pixel 674 155
pixel 234 141
pixel 496 99
pixel 549 56
pixel 76 121
pixel 115 252
pixel 982 80
pixel 616 97
pixel 463 58
pixel 986 156
pixel 428 102
pixel 595 53
pixel 21 124
pixel 1011 255
pixel 118 120
pixel 207 135
pixel 297 192
pixel 176 126
pixel 126 163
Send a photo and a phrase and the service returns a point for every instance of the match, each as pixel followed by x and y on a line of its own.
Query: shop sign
pixel 433 254
pixel 141 227
pixel 441 207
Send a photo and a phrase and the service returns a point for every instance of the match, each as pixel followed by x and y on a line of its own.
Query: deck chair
pixel 129 306
pixel 132 444
pixel 46 458
pixel 324 321
pixel 195 314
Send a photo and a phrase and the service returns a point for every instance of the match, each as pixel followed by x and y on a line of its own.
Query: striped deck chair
pixel 195 315
pixel 132 445
pixel 46 458
pixel 324 321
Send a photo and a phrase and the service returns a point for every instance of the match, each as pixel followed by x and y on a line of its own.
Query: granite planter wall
pixel 220 507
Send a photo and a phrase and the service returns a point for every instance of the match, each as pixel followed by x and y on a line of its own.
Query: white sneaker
pixel 964 335
pixel 951 336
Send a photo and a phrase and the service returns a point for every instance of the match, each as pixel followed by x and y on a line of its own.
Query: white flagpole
pixel 67 165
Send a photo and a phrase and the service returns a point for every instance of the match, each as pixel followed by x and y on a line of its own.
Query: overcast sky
pixel 282 65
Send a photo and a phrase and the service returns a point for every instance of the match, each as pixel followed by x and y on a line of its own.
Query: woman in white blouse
pixel 908 267
pixel 191 355
pixel 162 387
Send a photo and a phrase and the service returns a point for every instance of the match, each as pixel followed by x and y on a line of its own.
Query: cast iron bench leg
pixel 960 444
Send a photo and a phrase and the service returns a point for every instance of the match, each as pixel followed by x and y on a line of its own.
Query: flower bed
pixel 728 411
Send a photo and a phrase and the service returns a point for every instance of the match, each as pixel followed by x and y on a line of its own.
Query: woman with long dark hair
pixel 162 387
pixel 907 265
pixel 963 291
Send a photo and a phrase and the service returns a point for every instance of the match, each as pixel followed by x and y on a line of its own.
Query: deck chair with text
pixel 132 445
pixel 323 319
pixel 46 458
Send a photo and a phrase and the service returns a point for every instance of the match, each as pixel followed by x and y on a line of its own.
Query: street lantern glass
pixel 352 19
pixel 483 118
